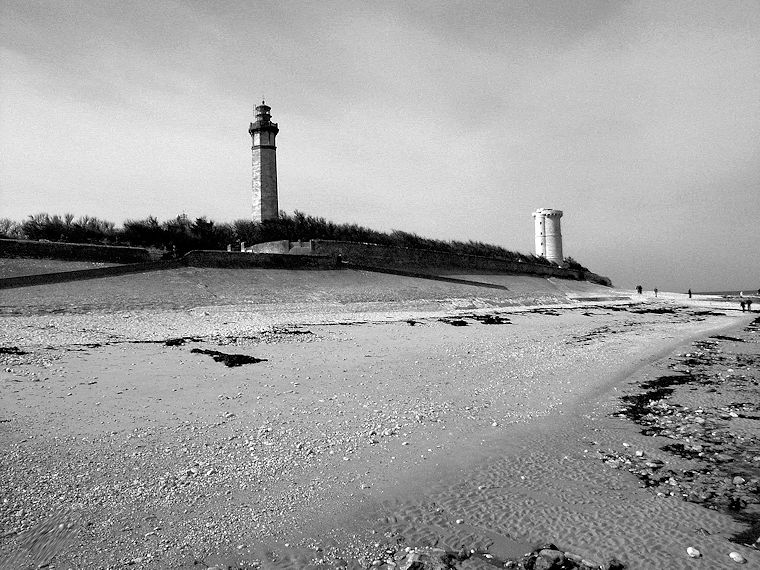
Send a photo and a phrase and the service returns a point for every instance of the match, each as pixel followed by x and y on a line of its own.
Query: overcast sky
pixel 454 120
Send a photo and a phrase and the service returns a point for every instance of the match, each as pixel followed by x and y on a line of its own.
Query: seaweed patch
pixel 229 359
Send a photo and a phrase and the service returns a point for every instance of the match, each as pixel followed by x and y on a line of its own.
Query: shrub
pixel 10 229
pixel 145 233
pixel 43 226
pixel 572 264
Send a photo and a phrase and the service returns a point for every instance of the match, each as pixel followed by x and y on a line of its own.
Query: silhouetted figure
pixel 689 293
pixel 749 305
pixel 742 304
pixel 639 289
pixel 655 291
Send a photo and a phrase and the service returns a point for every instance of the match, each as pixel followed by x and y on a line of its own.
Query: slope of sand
pixel 359 432
pixel 20 266
pixel 192 287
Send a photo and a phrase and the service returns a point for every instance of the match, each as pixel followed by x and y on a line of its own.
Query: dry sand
pixel 359 432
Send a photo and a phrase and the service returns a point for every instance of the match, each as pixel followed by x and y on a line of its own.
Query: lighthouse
pixel 549 234
pixel 264 185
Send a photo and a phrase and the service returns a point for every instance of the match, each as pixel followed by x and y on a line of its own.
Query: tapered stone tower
pixel 263 133
pixel 549 234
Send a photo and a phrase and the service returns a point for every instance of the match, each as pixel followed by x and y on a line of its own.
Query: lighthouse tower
pixel 263 132
pixel 549 234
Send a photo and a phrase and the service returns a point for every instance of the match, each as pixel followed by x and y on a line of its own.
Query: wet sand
pixel 357 433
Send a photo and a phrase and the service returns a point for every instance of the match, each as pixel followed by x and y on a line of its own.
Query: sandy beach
pixel 373 421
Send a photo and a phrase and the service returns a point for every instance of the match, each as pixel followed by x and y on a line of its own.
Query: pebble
pixel 738 558
pixel 693 552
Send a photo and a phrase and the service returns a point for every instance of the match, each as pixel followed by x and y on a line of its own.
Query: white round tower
pixel 549 234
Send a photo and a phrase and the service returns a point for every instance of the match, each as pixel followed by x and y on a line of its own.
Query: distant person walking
pixel 655 291
pixel 749 305
pixel 639 289
pixel 689 293
pixel 742 304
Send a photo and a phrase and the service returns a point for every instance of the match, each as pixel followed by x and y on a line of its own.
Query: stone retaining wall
pixel 327 255
pixel 439 262
pixel 280 246
pixel 233 259
pixel 72 251
pixel 421 260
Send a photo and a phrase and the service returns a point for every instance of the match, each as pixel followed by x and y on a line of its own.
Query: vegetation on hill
pixel 181 234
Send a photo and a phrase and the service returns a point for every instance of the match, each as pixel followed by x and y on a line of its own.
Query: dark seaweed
pixel 12 350
pixel 639 405
pixel 729 338
pixel 726 473
pixel 229 359
pixel 179 341
pixel 454 322
pixel 492 320
pixel 654 311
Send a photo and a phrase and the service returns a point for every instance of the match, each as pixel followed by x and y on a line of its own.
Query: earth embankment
pixel 332 290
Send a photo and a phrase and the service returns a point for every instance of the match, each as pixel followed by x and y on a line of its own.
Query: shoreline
pixel 429 412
